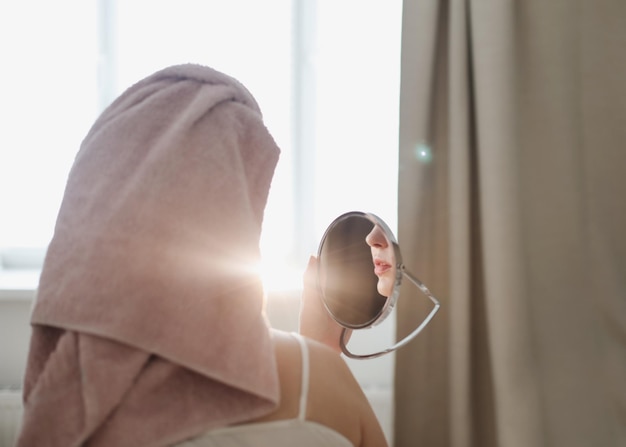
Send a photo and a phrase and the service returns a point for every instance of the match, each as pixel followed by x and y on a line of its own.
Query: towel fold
pixel 148 325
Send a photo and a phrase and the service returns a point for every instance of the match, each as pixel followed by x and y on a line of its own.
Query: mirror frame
pixel 390 302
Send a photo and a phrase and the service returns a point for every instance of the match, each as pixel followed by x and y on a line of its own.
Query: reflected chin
pixel 385 287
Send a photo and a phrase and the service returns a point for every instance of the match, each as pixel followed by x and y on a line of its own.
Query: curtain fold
pixel 512 152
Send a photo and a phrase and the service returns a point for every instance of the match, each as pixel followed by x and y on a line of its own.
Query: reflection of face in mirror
pixel 346 275
pixel 384 260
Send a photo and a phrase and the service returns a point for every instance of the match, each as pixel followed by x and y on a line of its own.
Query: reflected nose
pixel 376 238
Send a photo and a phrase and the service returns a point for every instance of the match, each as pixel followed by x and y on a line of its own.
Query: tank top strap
pixel 304 387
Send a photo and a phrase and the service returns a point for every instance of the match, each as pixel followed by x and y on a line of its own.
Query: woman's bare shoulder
pixel 336 397
pixel 323 361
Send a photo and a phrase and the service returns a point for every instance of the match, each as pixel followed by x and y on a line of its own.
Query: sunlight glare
pixel 279 276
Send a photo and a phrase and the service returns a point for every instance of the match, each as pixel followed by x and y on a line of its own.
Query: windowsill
pixel 18 284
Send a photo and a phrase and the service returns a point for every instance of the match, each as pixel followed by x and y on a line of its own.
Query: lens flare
pixel 423 153
pixel 279 276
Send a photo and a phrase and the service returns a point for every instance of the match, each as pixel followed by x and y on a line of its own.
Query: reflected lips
pixel 380 266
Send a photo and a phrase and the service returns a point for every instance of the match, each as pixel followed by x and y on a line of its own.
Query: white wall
pixel 15 305
pixel 14 336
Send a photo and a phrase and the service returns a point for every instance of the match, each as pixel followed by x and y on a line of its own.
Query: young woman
pixel 148 329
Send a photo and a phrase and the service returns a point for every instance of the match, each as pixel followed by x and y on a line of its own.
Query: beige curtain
pixel 512 209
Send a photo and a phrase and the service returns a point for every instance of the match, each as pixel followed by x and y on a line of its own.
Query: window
pixel 49 100
pixel 325 73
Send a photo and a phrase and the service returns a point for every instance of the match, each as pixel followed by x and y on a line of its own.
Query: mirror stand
pixel 359 277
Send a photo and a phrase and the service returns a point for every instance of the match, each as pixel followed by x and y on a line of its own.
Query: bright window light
pixel 49 100
pixel 325 73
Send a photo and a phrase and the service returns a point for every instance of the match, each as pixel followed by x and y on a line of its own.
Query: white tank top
pixel 288 432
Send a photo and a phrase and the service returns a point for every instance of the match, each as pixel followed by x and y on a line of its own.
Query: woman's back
pixel 321 404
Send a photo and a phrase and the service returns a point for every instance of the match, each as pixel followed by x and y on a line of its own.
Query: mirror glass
pixel 360 273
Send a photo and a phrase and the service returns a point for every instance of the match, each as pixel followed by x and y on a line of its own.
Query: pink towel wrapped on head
pixel 148 326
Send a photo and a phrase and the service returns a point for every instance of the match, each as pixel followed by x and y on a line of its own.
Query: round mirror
pixel 358 280
pixel 360 273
